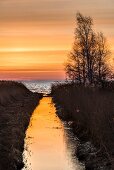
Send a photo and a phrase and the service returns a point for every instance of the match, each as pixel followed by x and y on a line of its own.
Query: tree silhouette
pixel 87 61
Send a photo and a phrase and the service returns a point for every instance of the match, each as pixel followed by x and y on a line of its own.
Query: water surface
pixel 40 86
pixel 49 144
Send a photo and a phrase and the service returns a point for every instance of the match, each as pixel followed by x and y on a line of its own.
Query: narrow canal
pixel 49 144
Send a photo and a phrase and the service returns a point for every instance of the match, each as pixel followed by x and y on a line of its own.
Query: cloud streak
pixel 46 25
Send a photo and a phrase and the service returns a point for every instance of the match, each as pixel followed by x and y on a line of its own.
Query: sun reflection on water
pixel 48 146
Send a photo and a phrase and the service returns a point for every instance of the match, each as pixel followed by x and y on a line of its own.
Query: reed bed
pixel 91 109
pixel 16 106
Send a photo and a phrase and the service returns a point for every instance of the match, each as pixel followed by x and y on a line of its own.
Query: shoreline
pixel 89 155
pixel 89 151
pixel 15 118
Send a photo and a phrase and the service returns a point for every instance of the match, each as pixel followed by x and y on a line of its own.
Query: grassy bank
pixel 16 106
pixel 92 113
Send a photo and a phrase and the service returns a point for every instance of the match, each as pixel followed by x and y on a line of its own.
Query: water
pixel 43 86
pixel 49 144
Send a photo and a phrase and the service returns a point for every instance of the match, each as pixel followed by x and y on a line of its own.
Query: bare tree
pixel 87 61
pixel 73 66
pixel 101 57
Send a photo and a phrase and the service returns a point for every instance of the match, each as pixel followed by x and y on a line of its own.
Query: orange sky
pixel 37 35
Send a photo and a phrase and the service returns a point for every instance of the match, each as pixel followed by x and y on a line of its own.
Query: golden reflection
pixel 48 146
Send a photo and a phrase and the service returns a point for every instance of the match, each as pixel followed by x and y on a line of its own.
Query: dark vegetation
pixel 16 106
pixel 92 112
pixel 88 101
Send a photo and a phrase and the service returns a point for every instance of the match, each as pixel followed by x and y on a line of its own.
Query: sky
pixel 36 36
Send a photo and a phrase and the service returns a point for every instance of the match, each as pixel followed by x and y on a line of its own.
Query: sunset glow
pixel 37 35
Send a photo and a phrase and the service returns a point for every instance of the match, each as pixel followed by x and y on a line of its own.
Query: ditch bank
pixel 17 104
pixel 90 156
pixel 89 114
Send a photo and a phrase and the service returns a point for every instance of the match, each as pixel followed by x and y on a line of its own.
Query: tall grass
pixel 16 106
pixel 11 90
pixel 92 112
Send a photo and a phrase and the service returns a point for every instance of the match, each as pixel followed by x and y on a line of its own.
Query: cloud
pixel 53 10
pixel 28 10
pixel 46 25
